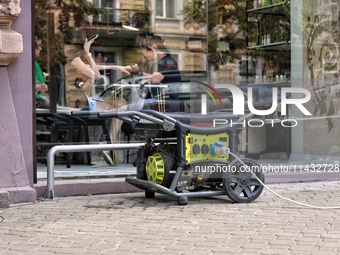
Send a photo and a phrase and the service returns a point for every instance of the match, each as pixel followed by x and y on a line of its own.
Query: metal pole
pixel 52 88
pixel 78 148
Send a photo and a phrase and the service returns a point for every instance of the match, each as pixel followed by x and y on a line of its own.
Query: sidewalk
pixel 131 224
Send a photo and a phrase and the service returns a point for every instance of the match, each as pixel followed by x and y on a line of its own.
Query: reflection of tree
pixel 323 46
pixel 222 14
pixel 195 12
pixel 233 19
pixel 70 12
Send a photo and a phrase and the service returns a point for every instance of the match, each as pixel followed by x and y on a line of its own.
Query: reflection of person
pixel 77 104
pixel 41 87
pixel 100 58
pixel 90 69
pixel 161 62
pixel 163 69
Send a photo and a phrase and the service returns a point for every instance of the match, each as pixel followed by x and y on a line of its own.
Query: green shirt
pixel 39 75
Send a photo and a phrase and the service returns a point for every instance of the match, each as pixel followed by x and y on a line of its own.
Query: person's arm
pixel 155 77
pixel 96 74
pixel 42 88
pixel 84 69
pixel 123 69
pixel 90 70
pixel 89 58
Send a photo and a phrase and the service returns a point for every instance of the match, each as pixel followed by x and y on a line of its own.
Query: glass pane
pixel 159 8
pixel 276 60
pixel 170 8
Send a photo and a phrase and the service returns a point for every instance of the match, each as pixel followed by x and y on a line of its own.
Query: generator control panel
pixel 206 147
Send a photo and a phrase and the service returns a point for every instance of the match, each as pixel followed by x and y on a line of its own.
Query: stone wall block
pixel 11 42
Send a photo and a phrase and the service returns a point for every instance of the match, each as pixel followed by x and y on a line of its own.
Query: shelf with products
pixel 270 28
pixel 277 7
pixel 268 42
pixel 267 65
pixel 275 46
pixel 283 81
pixel 267 68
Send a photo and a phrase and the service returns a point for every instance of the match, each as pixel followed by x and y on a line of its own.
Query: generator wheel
pixel 182 200
pixel 240 184
pixel 149 194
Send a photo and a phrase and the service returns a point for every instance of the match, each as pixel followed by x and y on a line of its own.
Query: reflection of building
pixel 124 23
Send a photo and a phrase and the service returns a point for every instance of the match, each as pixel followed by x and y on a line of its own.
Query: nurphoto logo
pixel 302 96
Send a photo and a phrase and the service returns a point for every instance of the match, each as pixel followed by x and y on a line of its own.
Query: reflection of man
pixel 100 58
pixel 41 87
pixel 163 67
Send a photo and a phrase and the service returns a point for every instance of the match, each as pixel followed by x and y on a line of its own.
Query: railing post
pixel 78 148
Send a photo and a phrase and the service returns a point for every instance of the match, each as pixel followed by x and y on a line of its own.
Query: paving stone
pixel 275 251
pixel 131 224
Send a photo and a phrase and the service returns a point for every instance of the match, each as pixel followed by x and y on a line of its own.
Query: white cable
pixel 280 196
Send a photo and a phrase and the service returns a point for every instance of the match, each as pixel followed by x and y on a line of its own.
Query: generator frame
pixel 166 123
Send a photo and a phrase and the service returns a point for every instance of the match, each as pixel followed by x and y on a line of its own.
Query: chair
pixel 62 123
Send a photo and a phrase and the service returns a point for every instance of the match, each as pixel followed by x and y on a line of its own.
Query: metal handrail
pixel 78 148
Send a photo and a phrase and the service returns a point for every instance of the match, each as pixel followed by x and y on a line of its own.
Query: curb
pixel 79 187
pixel 93 186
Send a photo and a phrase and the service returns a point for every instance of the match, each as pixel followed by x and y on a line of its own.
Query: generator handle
pixel 246 117
pixel 161 115
pixel 119 115
pixel 83 113
pixel 95 113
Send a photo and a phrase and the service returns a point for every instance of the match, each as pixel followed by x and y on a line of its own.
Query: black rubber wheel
pixel 182 200
pixel 240 184
pixel 149 194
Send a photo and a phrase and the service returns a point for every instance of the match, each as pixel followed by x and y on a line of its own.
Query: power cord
pixel 280 196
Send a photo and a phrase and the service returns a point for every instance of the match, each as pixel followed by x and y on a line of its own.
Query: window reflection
pixel 257 44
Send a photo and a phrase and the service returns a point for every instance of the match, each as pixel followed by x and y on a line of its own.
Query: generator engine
pixel 158 163
pixel 159 168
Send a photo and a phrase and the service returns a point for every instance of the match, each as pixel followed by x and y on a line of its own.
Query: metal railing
pixel 78 148
pixel 114 17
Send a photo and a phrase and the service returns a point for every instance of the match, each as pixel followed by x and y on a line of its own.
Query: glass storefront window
pixel 277 60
